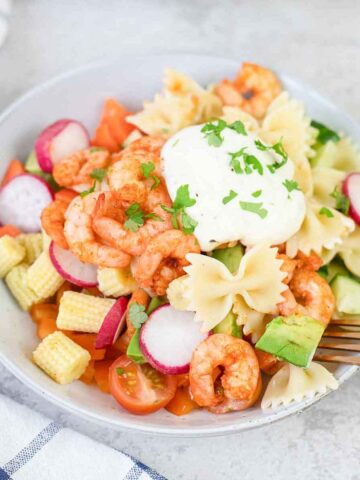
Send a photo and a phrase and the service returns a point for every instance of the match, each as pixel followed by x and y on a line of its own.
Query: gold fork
pixel 338 344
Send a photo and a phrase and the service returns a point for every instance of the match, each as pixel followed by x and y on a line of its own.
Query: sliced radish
pixel 71 269
pixel 59 140
pixel 22 200
pixel 168 339
pixel 351 188
pixel 112 324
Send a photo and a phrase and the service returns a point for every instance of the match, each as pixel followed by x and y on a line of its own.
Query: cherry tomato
pixel 182 403
pixel 138 388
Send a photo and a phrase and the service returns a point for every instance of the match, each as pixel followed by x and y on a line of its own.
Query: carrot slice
pixel 103 138
pixel 43 311
pixel 9 230
pixel 65 195
pixel 102 375
pixel 45 327
pixel 88 376
pixel 182 403
pixel 14 169
pixel 87 341
pixel 118 348
pixel 114 114
pixel 267 362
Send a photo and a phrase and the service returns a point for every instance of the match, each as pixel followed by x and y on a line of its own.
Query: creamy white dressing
pixel 187 158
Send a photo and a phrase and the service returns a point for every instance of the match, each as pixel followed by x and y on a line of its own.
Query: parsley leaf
pixel 156 181
pixel 182 201
pixel 137 314
pixel 291 185
pixel 325 211
pixel 277 148
pixel 188 223
pixel 254 207
pixel 214 129
pixel 256 194
pixel 98 174
pixel 136 217
pixel 154 216
pixel 251 163
pixel 325 134
pixel 238 127
pixel 147 168
pixel 120 371
pixel 231 195
pixel 87 192
pixel 342 203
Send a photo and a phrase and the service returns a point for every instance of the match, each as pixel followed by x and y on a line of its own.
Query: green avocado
pixel 133 351
pixel 229 326
pixel 229 256
pixel 294 338
pixel 334 268
pixel 155 302
pixel 346 291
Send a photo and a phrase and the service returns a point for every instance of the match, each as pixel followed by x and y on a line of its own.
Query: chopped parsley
pixel 254 207
pixel 147 169
pixel 325 211
pixel 137 314
pixel 87 192
pixel 291 185
pixel 256 194
pixel 277 148
pixel 136 217
pixel 176 142
pixel 342 203
pixel 251 163
pixel 213 131
pixel 120 371
pixel 182 201
pixel 325 134
pixel 229 197
pixel 98 174
pixel 96 149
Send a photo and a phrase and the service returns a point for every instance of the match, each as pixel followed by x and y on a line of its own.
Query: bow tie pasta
pixel 341 155
pixel 294 384
pixel 326 181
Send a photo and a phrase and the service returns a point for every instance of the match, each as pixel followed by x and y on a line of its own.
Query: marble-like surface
pixel 316 41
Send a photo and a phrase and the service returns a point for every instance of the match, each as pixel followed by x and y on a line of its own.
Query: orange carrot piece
pixel 88 376
pixel 45 327
pixel 182 403
pixel 114 114
pixel 267 362
pixel 103 138
pixel 9 230
pixel 14 169
pixel 93 291
pixel 87 341
pixel 65 195
pixel 65 287
pixel 118 348
pixel 102 375
pixel 43 311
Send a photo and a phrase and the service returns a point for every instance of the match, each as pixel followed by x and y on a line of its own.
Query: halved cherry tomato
pixel 138 388
pixel 182 403
pixel 102 374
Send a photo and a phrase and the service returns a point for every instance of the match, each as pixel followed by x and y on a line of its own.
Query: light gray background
pixel 317 41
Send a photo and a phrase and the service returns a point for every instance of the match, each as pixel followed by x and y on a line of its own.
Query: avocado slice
pixel 294 338
pixel 155 302
pixel 229 326
pixel 347 294
pixel 334 268
pixel 133 351
pixel 229 256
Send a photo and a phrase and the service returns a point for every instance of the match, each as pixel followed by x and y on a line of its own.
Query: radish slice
pixel 59 140
pixel 71 269
pixel 351 188
pixel 169 338
pixel 112 324
pixel 22 200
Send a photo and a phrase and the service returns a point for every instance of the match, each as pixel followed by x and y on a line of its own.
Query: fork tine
pixel 348 322
pixel 338 359
pixel 336 334
pixel 340 346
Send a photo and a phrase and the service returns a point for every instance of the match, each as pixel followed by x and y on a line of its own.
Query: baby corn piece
pixel 115 282
pixel 33 244
pixel 46 240
pixel 82 313
pixel 61 358
pixel 43 278
pixel 11 254
pixel 16 280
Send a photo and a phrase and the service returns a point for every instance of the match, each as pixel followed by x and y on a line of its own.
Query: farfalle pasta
pixel 349 251
pixel 341 155
pixel 326 181
pixel 294 384
pixel 254 323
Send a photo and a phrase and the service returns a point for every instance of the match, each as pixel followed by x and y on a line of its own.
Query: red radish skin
pixel 71 269
pixel 59 140
pixel 168 339
pixel 113 324
pixel 351 188
pixel 22 200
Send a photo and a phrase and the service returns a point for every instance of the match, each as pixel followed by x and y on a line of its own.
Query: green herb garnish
pixel 342 203
pixel 291 185
pixel 325 134
pixel 136 217
pixel 256 194
pixel 254 207
pixel 98 174
pixel 137 314
pixel 277 148
pixel 213 131
pixel 147 169
pixel 231 195
pixel 87 192
pixel 325 211
pixel 182 201
pixel 251 163
pixel 120 371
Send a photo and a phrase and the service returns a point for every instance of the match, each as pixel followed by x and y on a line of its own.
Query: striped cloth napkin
pixel 34 448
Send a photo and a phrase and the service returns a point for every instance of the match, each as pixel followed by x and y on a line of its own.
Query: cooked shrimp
pixel 168 248
pixel 109 218
pixel 253 89
pixel 241 371
pixel 82 240
pixel 309 294
pixel 126 176
pixel 288 266
pixel 53 217
pixel 142 298
pixel 308 262
pixel 76 169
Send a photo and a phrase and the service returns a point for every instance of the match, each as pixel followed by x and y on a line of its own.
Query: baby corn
pixel 16 280
pixel 33 244
pixel 43 278
pixel 115 282
pixel 11 254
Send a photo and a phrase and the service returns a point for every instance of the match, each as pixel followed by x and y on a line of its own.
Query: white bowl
pixel 79 95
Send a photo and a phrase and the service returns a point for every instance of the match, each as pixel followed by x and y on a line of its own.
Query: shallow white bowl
pixel 79 95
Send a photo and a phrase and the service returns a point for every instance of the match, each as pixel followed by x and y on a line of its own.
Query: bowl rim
pixel 138 426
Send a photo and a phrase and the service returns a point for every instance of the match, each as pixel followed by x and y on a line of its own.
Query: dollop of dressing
pixel 241 192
